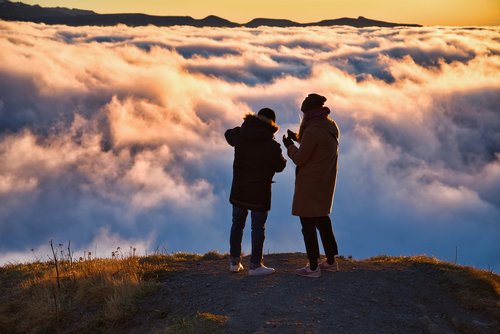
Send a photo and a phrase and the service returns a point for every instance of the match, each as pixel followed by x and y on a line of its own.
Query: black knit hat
pixel 267 113
pixel 313 101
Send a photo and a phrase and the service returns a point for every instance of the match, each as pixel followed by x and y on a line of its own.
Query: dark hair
pixel 267 113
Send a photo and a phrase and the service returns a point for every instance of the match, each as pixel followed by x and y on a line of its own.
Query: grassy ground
pixel 91 295
pixel 99 295
pixel 475 289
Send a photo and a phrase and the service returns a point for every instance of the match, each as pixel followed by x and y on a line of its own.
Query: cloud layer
pixel 115 135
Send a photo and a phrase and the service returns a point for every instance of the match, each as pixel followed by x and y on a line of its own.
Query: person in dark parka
pixel 257 157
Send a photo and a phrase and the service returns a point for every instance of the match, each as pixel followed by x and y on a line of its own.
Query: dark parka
pixel 257 157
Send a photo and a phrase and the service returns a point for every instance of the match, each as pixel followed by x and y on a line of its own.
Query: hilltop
pixel 196 294
pixel 18 11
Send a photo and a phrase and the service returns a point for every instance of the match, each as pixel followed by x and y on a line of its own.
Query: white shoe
pixel 262 270
pixel 236 268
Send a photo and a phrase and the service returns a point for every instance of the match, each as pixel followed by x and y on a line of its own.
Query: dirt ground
pixel 362 297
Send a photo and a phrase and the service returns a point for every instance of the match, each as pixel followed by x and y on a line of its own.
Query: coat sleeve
pixel 232 136
pixel 279 162
pixel 300 156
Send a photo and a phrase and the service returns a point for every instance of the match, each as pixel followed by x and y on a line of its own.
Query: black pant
pixel 324 225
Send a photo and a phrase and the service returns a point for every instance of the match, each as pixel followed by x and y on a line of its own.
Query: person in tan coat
pixel 316 159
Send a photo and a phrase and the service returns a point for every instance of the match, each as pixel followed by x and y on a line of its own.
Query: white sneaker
pixel 262 270
pixel 236 268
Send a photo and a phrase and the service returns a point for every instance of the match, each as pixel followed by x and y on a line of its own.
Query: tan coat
pixel 316 160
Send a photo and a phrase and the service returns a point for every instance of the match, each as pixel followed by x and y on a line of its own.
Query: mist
pixel 113 136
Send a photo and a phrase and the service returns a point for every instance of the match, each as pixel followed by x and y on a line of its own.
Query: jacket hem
pixel 249 206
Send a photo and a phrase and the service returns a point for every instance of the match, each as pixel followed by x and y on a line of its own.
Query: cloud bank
pixel 111 136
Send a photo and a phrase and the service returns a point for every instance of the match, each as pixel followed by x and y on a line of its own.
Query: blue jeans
pixel 258 233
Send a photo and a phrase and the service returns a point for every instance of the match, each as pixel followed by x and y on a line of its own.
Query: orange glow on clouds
pixel 123 127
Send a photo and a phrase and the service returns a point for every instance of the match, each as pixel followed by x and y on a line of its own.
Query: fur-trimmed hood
pixel 258 127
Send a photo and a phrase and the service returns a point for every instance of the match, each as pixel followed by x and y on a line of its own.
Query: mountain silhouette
pixel 360 22
pixel 271 23
pixel 18 11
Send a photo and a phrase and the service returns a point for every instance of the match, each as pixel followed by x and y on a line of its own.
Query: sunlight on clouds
pixel 140 122
pixel 439 195
pixel 151 184
pixel 12 184
pixel 122 128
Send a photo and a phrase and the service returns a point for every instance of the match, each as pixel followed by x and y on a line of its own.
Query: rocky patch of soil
pixel 362 297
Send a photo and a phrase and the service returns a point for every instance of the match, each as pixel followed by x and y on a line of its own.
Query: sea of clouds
pixel 113 136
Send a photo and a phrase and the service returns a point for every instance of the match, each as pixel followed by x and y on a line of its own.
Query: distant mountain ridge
pixel 18 11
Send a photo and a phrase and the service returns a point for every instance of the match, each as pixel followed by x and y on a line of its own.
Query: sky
pixel 426 12
pixel 113 136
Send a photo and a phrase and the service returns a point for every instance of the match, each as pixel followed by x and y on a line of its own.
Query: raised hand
pixel 292 135
pixel 287 141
